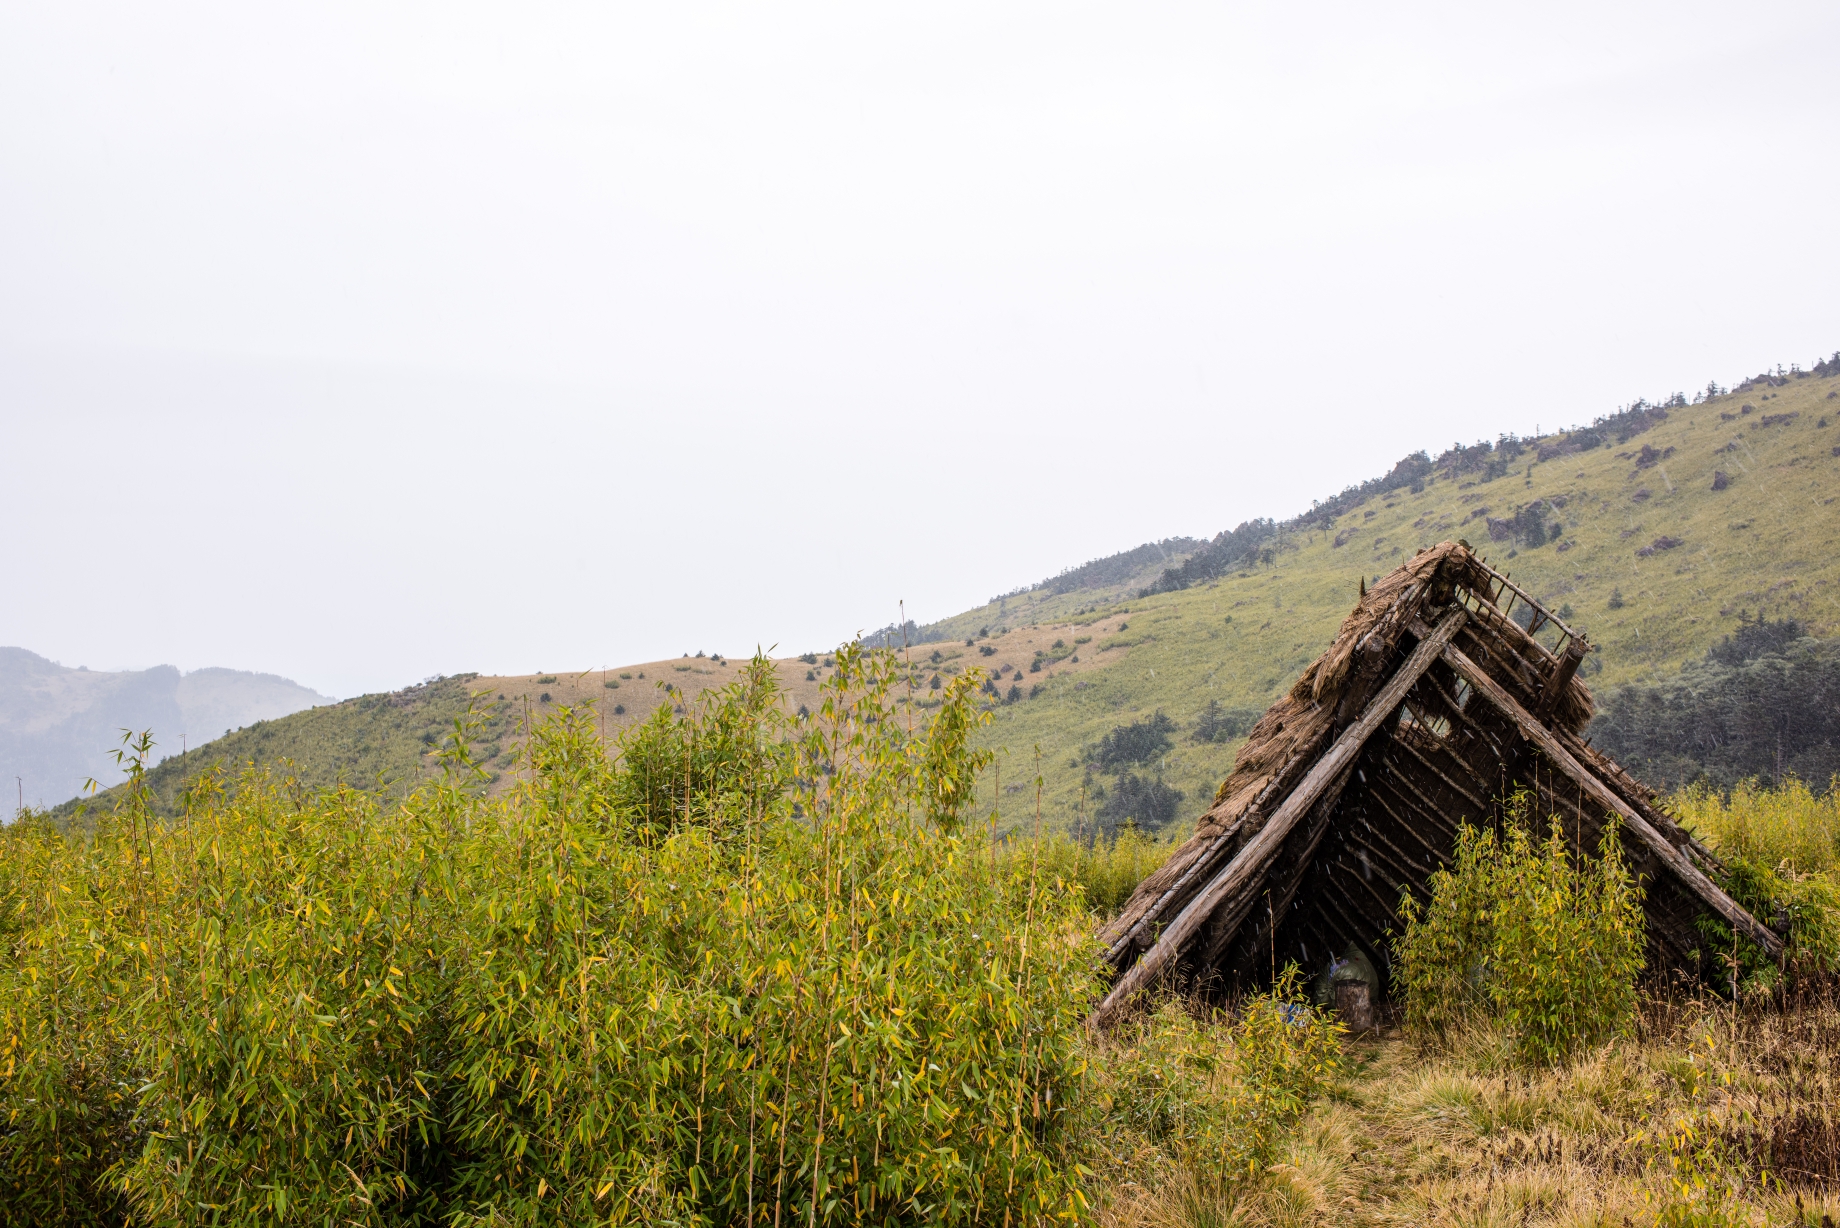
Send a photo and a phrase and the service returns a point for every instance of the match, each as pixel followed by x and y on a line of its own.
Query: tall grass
pixel 1107 871
pixel 750 970
pixel 1781 848
pixel 1201 1103
pixel 1791 824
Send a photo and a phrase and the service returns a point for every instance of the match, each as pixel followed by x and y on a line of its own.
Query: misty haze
pixel 1139 616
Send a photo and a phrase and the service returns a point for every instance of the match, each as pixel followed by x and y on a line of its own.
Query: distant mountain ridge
pixel 59 726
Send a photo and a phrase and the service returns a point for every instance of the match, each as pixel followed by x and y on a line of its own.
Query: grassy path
pixel 1467 1139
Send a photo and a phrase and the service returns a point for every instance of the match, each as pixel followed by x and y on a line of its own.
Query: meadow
pixel 746 964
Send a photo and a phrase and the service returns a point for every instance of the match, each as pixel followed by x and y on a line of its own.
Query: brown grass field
pixel 1701 1118
pixel 639 689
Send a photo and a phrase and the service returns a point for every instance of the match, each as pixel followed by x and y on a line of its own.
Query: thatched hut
pixel 1447 688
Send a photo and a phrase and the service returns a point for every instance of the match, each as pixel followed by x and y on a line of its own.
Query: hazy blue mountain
pixel 59 726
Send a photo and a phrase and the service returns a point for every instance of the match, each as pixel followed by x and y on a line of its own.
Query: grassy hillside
pixel 1655 557
pixel 1654 563
pixel 374 741
pixel 389 740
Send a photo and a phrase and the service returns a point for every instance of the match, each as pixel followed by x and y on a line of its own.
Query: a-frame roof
pixel 1446 688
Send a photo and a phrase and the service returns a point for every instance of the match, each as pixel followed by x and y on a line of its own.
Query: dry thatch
pixel 1431 706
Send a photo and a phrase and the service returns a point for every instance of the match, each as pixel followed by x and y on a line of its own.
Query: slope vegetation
pixel 1656 530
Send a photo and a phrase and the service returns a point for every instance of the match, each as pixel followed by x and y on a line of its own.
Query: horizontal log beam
pixel 1369 928
pixel 1438 860
pixel 1369 836
pixel 1402 784
pixel 1481 806
pixel 1253 855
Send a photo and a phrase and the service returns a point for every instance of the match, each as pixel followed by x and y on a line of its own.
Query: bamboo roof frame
pixel 1432 699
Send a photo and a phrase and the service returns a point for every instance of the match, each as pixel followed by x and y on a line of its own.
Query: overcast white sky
pixel 361 343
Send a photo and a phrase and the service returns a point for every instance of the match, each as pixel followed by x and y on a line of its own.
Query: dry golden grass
pixel 638 690
pixel 1462 1136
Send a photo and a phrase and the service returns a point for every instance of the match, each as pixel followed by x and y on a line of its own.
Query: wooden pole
pixel 1561 678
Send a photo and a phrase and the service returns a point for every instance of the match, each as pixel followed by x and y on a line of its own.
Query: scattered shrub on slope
pixel 1144 801
pixel 1218 723
pixel 1115 568
pixel 1137 742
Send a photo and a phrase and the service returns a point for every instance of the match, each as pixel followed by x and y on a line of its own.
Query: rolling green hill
pixel 1656 557
pixel 1653 530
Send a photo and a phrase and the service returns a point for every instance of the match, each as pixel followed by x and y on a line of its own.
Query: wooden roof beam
pixel 1432 857
pixel 1546 615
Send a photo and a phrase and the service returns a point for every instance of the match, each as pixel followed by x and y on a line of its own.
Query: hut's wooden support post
pixel 1542 737
pixel 1561 678
pixel 1252 856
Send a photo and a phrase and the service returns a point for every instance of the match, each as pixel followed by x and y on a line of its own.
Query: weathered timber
pixel 1561 678
pixel 1425 762
pixel 1252 857
pixel 1386 907
pixel 1402 784
pixel 1315 830
pixel 1402 860
pixel 1389 817
pixel 1433 857
pixel 1202 866
pixel 1544 614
